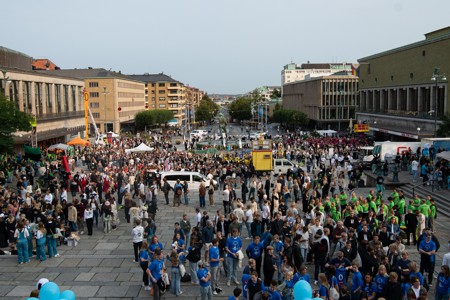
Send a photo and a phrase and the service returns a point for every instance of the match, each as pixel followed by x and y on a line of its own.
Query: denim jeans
pixel 205 291
pixel 40 251
pixel 202 201
pixel 249 228
pixel 22 250
pixel 215 277
pixel 193 267
pixel 176 279
pixel 51 245
pixel 232 268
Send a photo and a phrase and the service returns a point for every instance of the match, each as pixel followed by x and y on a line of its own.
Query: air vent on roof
pixel 90 68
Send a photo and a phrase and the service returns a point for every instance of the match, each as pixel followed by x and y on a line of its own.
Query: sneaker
pixel 247 238
pixel 236 282
pixel 315 282
pixel 228 283
pixel 215 293
pixel 57 255
pixel 181 292
pixel 146 288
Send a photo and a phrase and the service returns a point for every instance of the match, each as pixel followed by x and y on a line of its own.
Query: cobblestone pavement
pixel 101 266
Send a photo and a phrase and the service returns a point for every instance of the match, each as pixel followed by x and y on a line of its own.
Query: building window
pixel 153 105
pixel 173 84
pixel 94 105
pixel 162 105
pixel 161 84
pixel 153 98
pixel 153 92
pixel 376 80
pixel 96 115
pixel 161 92
pixel 93 95
pixel 93 84
pixel 411 76
pixel 173 105
pixel 153 85
pixel 423 53
pixel 392 78
pixel 162 98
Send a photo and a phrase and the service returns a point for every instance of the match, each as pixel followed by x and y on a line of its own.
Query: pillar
pixel 44 97
pixel 398 100
pixel 20 94
pixel 33 98
pixel 408 99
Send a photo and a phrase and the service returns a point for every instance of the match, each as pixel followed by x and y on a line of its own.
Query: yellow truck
pixel 263 161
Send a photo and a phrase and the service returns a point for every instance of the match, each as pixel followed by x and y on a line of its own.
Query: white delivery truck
pixel 389 150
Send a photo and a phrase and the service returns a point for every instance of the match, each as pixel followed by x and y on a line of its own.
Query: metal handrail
pixel 420 184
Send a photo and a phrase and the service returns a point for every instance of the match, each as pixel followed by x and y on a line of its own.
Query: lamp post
pixel 5 80
pixel 104 97
pixel 436 77
pixel 418 133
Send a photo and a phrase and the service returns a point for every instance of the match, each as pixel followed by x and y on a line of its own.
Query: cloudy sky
pixel 220 46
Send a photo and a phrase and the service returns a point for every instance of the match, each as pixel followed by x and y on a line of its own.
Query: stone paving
pixel 102 267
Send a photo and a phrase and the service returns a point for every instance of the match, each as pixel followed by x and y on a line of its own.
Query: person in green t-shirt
pixel 401 206
pixel 394 196
pixel 343 200
pixel 425 210
pixel 416 202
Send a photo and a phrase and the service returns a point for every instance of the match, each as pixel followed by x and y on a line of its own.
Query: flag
pixel 355 70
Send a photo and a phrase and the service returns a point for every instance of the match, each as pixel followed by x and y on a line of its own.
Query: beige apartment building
pixel 164 92
pixel 114 98
pixel 329 102
pixel 401 94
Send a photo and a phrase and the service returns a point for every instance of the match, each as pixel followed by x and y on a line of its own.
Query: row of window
pixel 128 85
pixel 130 95
pixel 93 84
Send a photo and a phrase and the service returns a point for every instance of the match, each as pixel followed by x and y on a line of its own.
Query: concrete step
pixel 442 202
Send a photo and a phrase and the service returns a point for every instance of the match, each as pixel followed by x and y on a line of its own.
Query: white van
pixel 199 133
pixel 193 179
pixel 282 165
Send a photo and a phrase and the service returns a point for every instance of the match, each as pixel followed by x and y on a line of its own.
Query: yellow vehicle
pixel 262 158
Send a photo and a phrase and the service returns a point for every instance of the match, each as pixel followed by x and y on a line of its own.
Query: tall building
pixel 164 92
pixel 293 72
pixel 114 98
pixel 329 102
pixel 55 100
pixel 399 98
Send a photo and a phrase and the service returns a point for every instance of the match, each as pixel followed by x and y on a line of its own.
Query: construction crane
pixel 87 115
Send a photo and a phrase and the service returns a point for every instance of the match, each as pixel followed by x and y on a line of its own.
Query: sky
pixel 219 46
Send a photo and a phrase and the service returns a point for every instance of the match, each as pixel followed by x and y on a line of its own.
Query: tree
pixel 207 109
pixel 241 108
pixel 276 93
pixel 291 118
pixel 152 117
pixel 444 128
pixel 12 120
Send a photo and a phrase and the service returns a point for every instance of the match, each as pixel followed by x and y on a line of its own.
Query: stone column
pixel 408 99
pixel 53 97
pixel 382 108
pixel 20 94
pixel 33 97
pixel 432 97
pixel 398 99
pixel 44 97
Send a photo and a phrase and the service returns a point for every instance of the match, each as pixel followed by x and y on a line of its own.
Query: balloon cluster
pixel 50 291
pixel 303 291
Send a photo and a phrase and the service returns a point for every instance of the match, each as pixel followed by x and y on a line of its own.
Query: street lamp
pixel 5 80
pixel 418 133
pixel 436 77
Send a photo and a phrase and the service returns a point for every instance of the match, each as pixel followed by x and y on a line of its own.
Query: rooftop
pixel 160 77
pixel 89 73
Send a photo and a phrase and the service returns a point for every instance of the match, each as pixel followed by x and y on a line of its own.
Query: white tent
pixel 141 148
pixel 445 155
pixel 58 146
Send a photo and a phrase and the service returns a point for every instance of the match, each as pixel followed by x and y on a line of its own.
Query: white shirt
pixel 249 216
pixel 137 233
pixel 239 213
pixel 446 259
pixel 48 198
pixel 414 165
pixel 88 214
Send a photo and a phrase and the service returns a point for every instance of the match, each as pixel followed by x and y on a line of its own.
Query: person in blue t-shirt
pixel 323 291
pixel 302 274
pixel 152 247
pixel 143 262
pixel 255 250
pixel 357 282
pixel 214 261
pixel 380 279
pixel 369 287
pixel 205 281
pixel 232 247
pixel 154 272
pixel 245 280
pixel 427 250
pixel 443 284
pixel 237 292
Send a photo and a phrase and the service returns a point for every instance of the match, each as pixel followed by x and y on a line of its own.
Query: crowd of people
pixel 307 217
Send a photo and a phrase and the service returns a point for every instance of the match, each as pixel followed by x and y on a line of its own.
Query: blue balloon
pixel 32 298
pixel 302 290
pixel 68 295
pixel 49 291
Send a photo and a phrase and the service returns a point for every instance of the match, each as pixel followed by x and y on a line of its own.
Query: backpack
pixel 186 277
pixel 211 191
